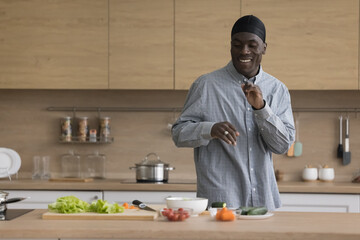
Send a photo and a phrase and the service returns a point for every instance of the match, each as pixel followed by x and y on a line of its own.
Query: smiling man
pixel 235 118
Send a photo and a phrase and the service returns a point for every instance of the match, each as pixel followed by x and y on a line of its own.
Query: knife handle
pixel 139 203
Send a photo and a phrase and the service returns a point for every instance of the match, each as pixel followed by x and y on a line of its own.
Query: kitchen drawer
pixel 41 199
pixel 302 202
pixel 152 197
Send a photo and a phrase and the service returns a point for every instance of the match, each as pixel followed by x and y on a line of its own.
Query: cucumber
pixel 245 210
pixel 218 204
pixel 258 211
pixel 253 210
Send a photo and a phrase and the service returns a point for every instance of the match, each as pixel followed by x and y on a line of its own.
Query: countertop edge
pixel 119 185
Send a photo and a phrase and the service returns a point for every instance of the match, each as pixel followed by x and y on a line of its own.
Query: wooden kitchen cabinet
pixel 202 37
pixel 41 199
pixel 312 45
pixel 54 44
pixel 141 44
pixel 302 202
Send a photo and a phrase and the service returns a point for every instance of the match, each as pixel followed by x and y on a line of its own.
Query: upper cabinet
pixel 54 44
pixel 141 44
pixel 202 37
pixel 312 45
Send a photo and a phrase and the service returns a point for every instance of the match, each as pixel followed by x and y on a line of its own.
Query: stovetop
pixel 170 181
pixel 10 214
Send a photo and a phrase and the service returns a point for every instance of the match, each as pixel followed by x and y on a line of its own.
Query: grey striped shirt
pixel 240 175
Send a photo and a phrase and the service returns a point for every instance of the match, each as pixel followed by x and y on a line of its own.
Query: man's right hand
pixel 225 131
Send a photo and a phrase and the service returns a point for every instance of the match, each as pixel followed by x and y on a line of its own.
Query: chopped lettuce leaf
pixel 101 206
pixel 69 204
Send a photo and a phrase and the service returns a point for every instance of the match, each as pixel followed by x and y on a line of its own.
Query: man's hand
pixel 225 131
pixel 253 95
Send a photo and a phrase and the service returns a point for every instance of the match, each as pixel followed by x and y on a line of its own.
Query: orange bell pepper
pixel 225 215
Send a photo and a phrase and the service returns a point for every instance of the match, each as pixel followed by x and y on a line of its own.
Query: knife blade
pixel 142 205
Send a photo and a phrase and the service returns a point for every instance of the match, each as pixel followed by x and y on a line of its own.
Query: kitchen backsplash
pixel 30 129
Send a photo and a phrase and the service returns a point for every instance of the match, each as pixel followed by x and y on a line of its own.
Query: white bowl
pixel 198 205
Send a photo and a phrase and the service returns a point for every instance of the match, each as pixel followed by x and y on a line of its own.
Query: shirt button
pixel 255 114
pixel 250 149
pixel 249 129
pixel 248 109
pixel 262 129
pixel 254 189
pixel 251 169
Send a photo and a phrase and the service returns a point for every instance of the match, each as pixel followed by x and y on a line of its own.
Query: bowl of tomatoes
pixel 176 214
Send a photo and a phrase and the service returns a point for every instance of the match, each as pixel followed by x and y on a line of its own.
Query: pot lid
pixel 152 162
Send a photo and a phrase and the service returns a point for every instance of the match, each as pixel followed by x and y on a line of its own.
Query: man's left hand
pixel 253 95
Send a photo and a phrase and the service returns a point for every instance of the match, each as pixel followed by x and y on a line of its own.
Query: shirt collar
pixel 241 78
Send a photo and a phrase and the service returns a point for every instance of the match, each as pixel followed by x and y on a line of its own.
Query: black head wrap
pixel 251 24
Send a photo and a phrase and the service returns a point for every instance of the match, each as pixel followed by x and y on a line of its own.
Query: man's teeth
pixel 245 61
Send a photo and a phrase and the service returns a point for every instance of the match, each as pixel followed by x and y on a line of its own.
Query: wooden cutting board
pixel 71 179
pixel 128 214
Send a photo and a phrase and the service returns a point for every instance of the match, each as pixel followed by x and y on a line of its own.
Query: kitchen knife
pixel 347 153
pixel 142 205
pixel 13 200
pixel 340 149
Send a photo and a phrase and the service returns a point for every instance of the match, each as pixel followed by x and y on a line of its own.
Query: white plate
pixel 10 162
pixel 255 217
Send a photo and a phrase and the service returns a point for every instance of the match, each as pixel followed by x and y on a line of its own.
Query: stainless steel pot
pixel 4 200
pixel 152 170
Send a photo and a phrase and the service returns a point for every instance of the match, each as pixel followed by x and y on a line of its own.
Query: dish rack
pixel 6 170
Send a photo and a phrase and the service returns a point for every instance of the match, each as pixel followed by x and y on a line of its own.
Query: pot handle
pixel 169 168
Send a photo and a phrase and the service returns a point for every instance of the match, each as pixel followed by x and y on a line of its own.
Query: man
pixel 235 118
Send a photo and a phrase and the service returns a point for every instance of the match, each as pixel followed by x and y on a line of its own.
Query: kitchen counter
pixel 173 185
pixel 283 225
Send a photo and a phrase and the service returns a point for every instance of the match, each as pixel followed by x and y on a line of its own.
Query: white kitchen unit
pixel 41 199
pixel 303 202
pixel 152 197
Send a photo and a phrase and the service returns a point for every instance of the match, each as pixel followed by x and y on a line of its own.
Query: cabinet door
pixel 41 199
pixel 202 37
pixel 295 202
pixel 54 44
pixel 141 44
pixel 152 197
pixel 312 45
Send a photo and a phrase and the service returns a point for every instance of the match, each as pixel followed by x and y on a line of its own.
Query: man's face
pixel 246 53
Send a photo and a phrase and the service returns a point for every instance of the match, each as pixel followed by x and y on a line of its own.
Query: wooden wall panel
pixel 311 44
pixel 202 37
pixel 141 44
pixel 58 44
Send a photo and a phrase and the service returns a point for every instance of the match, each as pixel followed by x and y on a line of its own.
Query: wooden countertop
pixel 174 186
pixel 283 225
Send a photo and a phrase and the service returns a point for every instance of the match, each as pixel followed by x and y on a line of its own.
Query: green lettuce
pixel 69 204
pixel 72 204
pixel 101 206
